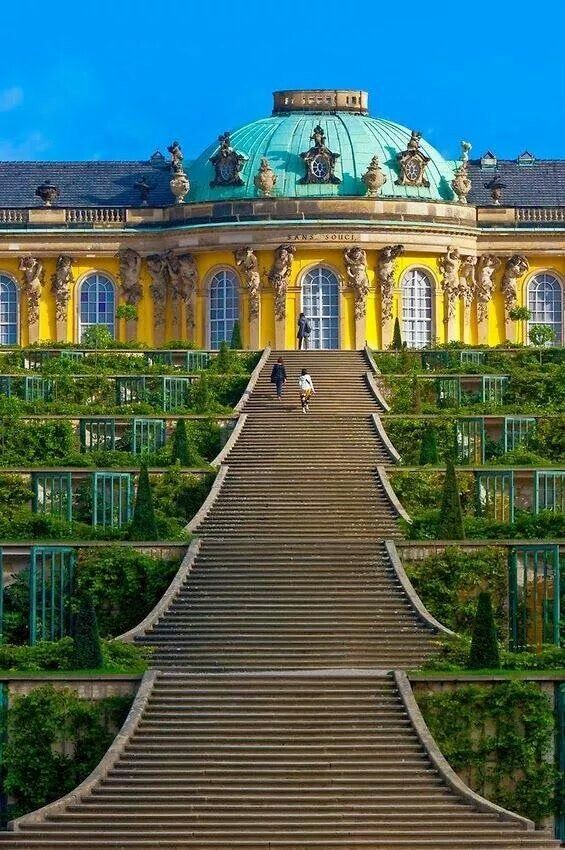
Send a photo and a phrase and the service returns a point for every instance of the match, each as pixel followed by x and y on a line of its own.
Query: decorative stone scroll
pixel 484 284
pixel 32 281
pixel 247 261
pixel 61 286
pixel 279 277
pixel 449 267
pixel 385 275
pixel 356 267
pixel 515 267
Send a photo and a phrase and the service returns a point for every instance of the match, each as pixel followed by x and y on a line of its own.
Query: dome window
pixel 319 160
pixel 526 158
pixel 227 164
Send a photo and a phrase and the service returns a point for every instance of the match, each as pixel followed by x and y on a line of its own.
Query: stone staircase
pixel 275 721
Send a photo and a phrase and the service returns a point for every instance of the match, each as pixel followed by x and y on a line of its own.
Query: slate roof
pixel 541 184
pixel 85 184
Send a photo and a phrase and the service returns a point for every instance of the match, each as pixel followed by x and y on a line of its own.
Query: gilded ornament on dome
pixel 374 178
pixel 265 180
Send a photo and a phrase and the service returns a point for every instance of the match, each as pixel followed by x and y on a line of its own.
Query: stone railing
pixel 540 214
pixel 9 216
pixel 95 215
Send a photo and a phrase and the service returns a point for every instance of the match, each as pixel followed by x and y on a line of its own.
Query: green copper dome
pixel 351 133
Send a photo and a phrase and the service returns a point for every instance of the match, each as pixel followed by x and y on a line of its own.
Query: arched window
pixel 320 304
pixel 545 302
pixel 224 306
pixel 417 309
pixel 8 311
pixel 97 303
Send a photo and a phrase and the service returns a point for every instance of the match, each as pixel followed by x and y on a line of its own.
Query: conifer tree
pixel 416 396
pixel 236 341
pixel 223 358
pixel 87 651
pixel 200 395
pixel 450 526
pixel 396 336
pixel 484 645
pixel 143 525
pixel 183 448
pixel 428 448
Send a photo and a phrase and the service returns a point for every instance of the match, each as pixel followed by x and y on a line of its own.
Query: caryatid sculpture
pixel 279 277
pixel 467 285
pixel 515 267
pixel 183 274
pixel 356 267
pixel 32 281
pixel 484 284
pixel 158 269
pixel 449 267
pixel 61 285
pixel 130 267
pixel 247 261
pixel 385 275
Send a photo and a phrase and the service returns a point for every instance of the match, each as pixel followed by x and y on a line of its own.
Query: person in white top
pixel 306 390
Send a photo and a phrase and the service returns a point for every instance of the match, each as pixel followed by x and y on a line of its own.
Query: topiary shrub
pixel 183 449
pixel 236 341
pixel 143 525
pixel 222 361
pixel 450 526
pixel 484 652
pixel 87 651
pixel 396 336
pixel 428 447
pixel 201 397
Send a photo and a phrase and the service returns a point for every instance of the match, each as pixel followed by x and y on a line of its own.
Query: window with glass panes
pixel 97 303
pixel 320 305
pixel 8 311
pixel 224 306
pixel 545 302
pixel 417 309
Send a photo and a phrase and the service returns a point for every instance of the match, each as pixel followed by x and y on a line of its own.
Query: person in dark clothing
pixel 304 330
pixel 278 377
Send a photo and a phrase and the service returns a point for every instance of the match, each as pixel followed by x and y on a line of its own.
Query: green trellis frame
pixel 6 385
pixel 470 440
pixel 493 388
pixel 174 392
pixel 197 360
pixel 51 579
pixel 112 499
pixel 37 388
pixel 516 430
pixel 549 490
pixel 471 357
pixel 97 435
pixel 495 494
pixel 148 435
pixel 448 392
pixel 53 494
pixel 533 595
pixel 130 389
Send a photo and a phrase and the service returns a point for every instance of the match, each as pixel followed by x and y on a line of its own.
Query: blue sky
pixel 117 80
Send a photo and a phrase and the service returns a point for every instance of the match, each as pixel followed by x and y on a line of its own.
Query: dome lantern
pixel 320 100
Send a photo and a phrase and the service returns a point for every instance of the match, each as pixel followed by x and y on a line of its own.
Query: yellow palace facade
pixel 318 208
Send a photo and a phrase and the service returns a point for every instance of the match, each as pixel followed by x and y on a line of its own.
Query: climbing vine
pixel 499 739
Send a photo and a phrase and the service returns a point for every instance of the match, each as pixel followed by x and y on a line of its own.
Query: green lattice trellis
pixel 148 435
pixel 469 356
pixel 97 435
pixel 38 389
pixel 435 359
pixel 495 494
pixel 516 430
pixel 197 360
pixel 131 389
pixel 6 385
pixel 72 356
pixel 448 392
pixel 161 358
pixel 470 440
pixel 35 360
pixel 175 393
pixel 494 388
pixel 534 597
pixel 53 494
pixel 51 579
pixel 549 490
pixel 112 495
